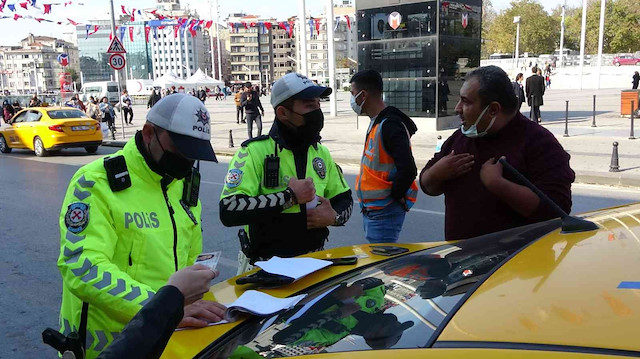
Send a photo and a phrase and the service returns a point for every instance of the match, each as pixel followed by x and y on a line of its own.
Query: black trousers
pixel 254 117
pixel 127 111
pixel 535 113
pixel 239 114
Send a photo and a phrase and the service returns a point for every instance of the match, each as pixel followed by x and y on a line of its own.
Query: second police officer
pixel 285 187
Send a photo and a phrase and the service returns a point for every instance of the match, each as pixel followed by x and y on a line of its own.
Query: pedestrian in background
pixel 81 105
pixel 534 88
pixel 386 184
pixel 127 111
pixel 518 90
pixel 35 101
pixel 108 115
pixel 239 109
pixel 253 110
pixel 93 110
pixel 202 94
pixel 636 80
pixel 153 98
pixel 7 111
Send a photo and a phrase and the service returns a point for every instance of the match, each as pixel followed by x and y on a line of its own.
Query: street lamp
pixel 516 20
pixel 247 68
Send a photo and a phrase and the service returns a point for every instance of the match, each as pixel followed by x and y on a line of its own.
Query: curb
pixel 587 177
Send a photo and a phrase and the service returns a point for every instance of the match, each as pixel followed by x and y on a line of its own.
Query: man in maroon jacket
pixel 479 197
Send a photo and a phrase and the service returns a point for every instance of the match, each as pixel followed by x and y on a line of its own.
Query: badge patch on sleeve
pixel 77 217
pixel 319 167
pixel 234 177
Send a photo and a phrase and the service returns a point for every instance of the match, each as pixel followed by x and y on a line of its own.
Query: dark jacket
pixel 251 107
pixel 155 97
pixel 148 333
pixel 535 90
pixel 202 95
pixel 518 91
pixel 636 80
pixel 397 143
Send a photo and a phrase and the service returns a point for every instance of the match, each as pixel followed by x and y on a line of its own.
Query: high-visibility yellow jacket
pixel 118 248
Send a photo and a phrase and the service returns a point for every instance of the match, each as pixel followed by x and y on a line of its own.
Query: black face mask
pixel 313 124
pixel 172 164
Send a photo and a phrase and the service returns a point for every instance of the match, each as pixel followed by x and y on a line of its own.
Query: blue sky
pixel 13 31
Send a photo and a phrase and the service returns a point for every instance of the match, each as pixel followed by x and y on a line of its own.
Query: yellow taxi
pixel 544 290
pixel 49 129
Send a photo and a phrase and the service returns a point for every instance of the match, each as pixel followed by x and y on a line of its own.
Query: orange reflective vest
pixel 377 172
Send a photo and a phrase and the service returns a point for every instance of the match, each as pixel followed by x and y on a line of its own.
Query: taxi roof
pixel 563 289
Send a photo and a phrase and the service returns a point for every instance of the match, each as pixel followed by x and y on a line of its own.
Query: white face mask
pixel 472 131
pixel 354 105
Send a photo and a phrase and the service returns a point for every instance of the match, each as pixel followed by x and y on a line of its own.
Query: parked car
pixel 537 291
pixel 626 60
pixel 48 129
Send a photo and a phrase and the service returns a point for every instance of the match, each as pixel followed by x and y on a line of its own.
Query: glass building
pixel 94 59
pixel 422 60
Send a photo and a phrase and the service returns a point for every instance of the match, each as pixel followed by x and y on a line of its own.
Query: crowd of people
pixel 285 190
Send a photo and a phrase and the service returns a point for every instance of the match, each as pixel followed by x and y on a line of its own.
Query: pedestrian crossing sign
pixel 116 47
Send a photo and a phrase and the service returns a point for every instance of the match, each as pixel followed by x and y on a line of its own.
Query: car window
pixel 22 117
pixel 396 304
pixel 61 114
pixel 33 116
pixel 112 88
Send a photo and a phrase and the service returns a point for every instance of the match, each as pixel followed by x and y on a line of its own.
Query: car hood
pixel 564 289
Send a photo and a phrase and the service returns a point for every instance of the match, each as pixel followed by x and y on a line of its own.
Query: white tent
pixel 169 79
pixel 200 79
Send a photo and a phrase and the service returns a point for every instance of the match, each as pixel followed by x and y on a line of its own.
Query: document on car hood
pixel 295 268
pixel 259 304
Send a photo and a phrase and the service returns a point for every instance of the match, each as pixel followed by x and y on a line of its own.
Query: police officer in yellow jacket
pixel 285 187
pixel 132 219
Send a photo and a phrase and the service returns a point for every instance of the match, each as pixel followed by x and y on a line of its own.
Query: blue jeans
pixel 384 226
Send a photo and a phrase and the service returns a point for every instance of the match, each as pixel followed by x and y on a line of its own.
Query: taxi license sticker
pixel 319 167
pixel 77 217
pixel 234 177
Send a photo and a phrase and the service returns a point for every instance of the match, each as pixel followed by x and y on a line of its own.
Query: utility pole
pixel 113 32
pixel 562 36
pixel 302 18
pixel 213 62
pixel 583 34
pixel 600 41
pixel 332 58
pixel 218 41
pixel 516 20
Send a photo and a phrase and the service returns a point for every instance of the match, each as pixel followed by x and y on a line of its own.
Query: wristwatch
pixel 292 198
pixel 338 220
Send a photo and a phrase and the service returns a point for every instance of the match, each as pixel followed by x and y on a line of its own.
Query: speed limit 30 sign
pixel 116 61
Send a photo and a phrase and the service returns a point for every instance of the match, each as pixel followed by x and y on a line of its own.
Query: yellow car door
pixel 17 127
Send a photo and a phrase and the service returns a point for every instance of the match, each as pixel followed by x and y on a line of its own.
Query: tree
pixel 538 30
pixel 344 62
pixel 488 16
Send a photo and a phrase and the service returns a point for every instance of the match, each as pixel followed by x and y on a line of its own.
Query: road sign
pixel 116 61
pixel 116 47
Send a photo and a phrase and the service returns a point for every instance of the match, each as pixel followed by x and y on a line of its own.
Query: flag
pixel 12 7
pixel 95 29
pixel 16 16
pixel 282 26
pixel 268 25
pixel 38 19
pixel 110 36
pixel 318 26
pixel 245 25
pixel 200 24
pixel 192 24
pixel 123 10
pixel 87 28
pixel 348 22
pixel 146 33
pixel 175 30
pixel 133 15
pixel 155 32
pixel 33 3
pixel 122 30
pixel 289 28
pixel 337 21
pixel 208 24
pixel 23 5
pixel 131 33
pixel 72 22
pixel 47 8
pixel 311 28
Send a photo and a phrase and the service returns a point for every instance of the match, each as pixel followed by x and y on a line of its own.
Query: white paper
pixel 209 259
pixel 295 268
pixel 313 203
pixel 260 304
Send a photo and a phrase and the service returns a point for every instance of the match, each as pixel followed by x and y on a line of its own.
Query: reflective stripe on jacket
pixel 118 248
pixel 377 172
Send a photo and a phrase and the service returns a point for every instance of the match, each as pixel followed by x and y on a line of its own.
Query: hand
pixel 322 216
pixel 452 166
pixel 304 190
pixel 201 313
pixel 491 173
pixel 192 281
pixel 403 203
pixel 262 113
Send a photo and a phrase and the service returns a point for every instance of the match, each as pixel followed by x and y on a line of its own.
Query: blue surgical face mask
pixel 354 105
pixel 472 131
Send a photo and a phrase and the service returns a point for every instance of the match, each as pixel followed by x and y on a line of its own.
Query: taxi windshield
pixel 399 303
pixel 62 114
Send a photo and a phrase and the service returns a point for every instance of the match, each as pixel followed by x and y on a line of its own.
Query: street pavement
pixel 32 193
pixel 590 147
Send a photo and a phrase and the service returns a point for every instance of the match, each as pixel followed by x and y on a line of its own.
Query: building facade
pixel 422 65
pixel 33 66
pixel 177 52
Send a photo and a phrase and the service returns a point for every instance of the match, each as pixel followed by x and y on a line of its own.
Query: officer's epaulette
pixel 259 138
